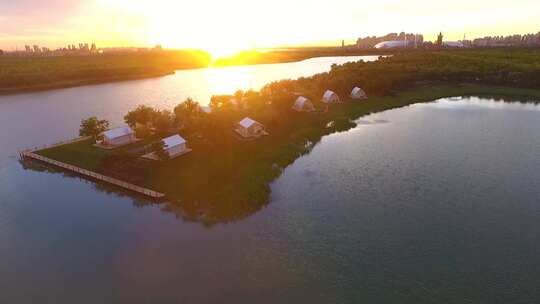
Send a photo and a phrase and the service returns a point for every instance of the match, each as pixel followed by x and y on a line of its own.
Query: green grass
pixel 82 154
pixel 19 74
pixel 229 179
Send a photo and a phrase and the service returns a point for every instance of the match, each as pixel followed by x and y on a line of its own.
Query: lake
pixel 431 203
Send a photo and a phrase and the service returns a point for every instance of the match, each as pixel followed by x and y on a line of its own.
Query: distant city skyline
pixel 223 26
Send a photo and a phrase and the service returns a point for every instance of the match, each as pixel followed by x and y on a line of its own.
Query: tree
pixel 142 115
pixel 163 121
pixel 186 112
pixel 93 127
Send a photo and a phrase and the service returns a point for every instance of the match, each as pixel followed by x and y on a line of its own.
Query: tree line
pixel 271 105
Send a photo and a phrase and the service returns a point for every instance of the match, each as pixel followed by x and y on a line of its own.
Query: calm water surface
pixel 432 203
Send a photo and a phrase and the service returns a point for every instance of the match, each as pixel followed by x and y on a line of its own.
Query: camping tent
pixel 205 109
pixel 358 93
pixel 330 97
pixel 174 145
pixel 250 128
pixel 119 136
pixel 303 104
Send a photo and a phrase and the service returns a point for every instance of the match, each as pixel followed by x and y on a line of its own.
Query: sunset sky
pixel 235 24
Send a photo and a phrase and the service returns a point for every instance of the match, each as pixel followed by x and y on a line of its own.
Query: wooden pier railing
pixel 90 174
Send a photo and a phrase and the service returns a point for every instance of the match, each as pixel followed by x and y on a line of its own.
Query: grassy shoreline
pixel 33 74
pixel 77 83
pixel 229 180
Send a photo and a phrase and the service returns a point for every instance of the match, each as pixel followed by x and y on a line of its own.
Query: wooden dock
pixel 93 175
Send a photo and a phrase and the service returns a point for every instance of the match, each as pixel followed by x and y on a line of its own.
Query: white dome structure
pixel 358 93
pixel 394 44
pixel 330 97
pixel 302 104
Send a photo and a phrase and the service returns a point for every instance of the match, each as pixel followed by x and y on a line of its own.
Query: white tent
pixel 250 128
pixel 358 93
pixel 234 102
pixel 119 136
pixel 205 109
pixel 303 104
pixel 174 145
pixel 330 97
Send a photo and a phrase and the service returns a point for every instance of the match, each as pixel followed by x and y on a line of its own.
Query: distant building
pixel 508 41
pixel 440 39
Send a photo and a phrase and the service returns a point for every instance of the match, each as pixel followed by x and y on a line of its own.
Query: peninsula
pixel 225 178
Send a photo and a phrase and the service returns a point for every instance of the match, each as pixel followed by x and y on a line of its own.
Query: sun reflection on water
pixel 228 80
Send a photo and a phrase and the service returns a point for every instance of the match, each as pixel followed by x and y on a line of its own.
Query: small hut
pixel 330 97
pixel 303 104
pixel 234 102
pixel 175 146
pixel 358 93
pixel 249 128
pixel 118 137
pixel 205 109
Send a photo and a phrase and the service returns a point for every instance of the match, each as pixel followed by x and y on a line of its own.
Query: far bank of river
pixel 34 74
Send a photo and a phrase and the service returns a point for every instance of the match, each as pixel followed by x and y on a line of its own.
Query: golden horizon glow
pixel 225 27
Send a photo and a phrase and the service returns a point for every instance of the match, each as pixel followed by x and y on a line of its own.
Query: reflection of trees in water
pixel 206 213
pixel 211 214
pixel 37 166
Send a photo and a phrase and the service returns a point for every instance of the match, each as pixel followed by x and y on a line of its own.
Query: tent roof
pixel 206 109
pixel 357 90
pixel 300 101
pixel 173 141
pixel 328 94
pixel 118 132
pixel 247 122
